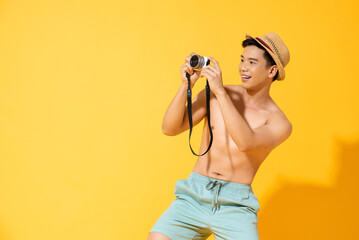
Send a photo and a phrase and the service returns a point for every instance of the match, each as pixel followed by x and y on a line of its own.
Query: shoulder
pixel 276 116
pixel 279 121
pixel 238 89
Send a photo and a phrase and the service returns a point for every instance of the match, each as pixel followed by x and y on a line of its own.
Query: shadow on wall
pixel 310 212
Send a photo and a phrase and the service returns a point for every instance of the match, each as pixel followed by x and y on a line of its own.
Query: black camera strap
pixel 189 107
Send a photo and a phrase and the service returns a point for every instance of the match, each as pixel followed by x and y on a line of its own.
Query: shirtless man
pixel 246 125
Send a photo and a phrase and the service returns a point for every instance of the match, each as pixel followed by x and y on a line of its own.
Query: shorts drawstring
pixel 210 186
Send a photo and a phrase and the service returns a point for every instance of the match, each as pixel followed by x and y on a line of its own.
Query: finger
pixel 186 65
pixel 184 69
pixel 215 63
pixel 185 72
pixel 203 74
pixel 211 68
pixel 188 68
pixel 207 73
pixel 213 74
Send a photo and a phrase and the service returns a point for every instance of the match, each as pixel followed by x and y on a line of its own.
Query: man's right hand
pixel 186 67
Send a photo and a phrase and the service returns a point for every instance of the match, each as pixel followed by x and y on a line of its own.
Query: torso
pixel 224 160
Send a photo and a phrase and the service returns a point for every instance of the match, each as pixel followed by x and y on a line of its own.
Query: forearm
pixel 239 130
pixel 174 115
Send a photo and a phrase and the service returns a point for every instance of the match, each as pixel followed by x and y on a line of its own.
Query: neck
pixel 257 98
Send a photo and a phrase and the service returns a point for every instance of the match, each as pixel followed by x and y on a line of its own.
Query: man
pixel 217 198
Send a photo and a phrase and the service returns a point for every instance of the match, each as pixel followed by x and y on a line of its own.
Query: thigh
pixel 237 221
pixel 157 236
pixel 235 224
pixel 184 218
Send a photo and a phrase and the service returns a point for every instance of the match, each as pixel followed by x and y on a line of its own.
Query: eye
pixel 251 62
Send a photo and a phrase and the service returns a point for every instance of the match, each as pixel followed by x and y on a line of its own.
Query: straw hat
pixel 276 48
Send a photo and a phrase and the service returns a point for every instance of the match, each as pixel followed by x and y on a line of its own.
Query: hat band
pixel 276 50
pixel 264 43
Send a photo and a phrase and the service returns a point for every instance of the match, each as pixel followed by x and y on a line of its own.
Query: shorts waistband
pixel 233 186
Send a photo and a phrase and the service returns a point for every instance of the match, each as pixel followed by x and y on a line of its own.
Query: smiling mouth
pixel 244 79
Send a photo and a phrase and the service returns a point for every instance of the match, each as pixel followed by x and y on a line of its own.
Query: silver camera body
pixel 198 62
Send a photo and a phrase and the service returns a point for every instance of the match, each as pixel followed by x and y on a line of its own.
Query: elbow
pixel 246 146
pixel 256 148
pixel 243 148
pixel 166 131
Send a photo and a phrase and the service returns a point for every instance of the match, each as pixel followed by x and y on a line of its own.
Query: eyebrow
pixel 255 59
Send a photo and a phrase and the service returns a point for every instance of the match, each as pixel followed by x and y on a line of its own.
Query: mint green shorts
pixel 205 206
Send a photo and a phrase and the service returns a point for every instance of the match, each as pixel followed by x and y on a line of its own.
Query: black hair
pixel 266 55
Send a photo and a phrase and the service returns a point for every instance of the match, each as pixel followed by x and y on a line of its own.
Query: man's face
pixel 253 65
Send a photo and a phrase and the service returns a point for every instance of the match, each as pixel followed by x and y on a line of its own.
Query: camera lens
pixel 194 61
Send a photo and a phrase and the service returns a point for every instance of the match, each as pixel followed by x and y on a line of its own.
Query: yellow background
pixel 84 86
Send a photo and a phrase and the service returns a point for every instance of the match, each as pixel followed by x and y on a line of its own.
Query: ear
pixel 272 71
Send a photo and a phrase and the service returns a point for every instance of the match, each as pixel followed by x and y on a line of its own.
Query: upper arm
pixel 199 110
pixel 270 135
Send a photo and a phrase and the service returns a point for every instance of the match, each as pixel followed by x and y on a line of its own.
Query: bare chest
pixel 254 118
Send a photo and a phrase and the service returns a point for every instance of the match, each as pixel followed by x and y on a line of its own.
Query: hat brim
pixel 281 74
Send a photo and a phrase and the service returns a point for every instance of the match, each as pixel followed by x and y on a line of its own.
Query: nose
pixel 243 67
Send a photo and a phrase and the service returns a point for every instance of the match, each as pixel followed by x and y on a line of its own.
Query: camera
pixel 198 62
